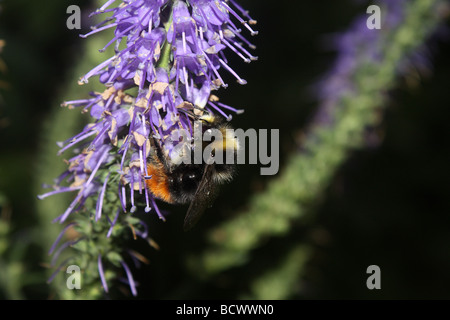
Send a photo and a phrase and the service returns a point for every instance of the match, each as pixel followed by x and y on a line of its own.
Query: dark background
pixel 389 205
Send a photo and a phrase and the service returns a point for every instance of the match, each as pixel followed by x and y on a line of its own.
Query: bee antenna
pixel 192 114
pixel 188 113
pixel 197 107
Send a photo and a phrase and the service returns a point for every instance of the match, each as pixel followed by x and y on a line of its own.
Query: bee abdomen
pixel 158 184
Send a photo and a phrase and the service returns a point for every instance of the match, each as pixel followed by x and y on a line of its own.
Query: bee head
pixel 184 181
pixel 208 118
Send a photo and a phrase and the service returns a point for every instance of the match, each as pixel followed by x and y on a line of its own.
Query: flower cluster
pixel 172 52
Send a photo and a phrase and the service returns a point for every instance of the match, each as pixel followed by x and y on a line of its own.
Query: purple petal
pixel 130 278
pixel 100 271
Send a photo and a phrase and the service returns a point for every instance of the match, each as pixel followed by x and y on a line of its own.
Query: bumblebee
pixel 193 184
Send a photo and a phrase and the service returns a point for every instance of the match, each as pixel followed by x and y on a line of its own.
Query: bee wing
pixel 205 195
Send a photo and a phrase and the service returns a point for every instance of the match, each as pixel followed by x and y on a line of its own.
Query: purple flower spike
pixel 173 54
pixel 168 59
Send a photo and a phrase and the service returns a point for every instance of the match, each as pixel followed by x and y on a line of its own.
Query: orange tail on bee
pixel 158 184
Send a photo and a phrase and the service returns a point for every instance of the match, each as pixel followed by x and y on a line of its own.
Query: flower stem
pixel 164 59
pixel 289 196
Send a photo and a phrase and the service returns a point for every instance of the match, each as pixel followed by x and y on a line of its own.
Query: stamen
pixel 229 45
pixel 130 278
pixel 252 32
pixel 60 236
pixel 100 135
pixel 95 70
pixel 101 273
pixel 120 35
pixel 253 58
pixel 127 144
pixel 237 111
pixel 147 207
pixel 145 159
pixel 240 81
pixel 59 190
pixel 106 5
pixel 183 36
pixel 228 117
pixel 100 199
pixel 157 210
pixel 248 43
pixel 99 163
pixel 124 199
pixel 96 12
pixel 133 207
pixel 75 141
pixel 96 30
pixel 243 11
pixel 141 161
pixel 66 213
pixel 214 70
pixel 113 223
